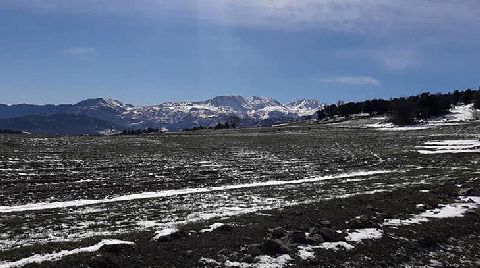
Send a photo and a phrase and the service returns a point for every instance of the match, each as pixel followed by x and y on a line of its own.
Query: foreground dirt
pixel 438 242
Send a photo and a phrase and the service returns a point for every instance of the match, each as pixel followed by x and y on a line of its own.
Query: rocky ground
pixel 243 239
pixel 303 201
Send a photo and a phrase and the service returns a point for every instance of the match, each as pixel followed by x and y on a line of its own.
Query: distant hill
pixel 173 116
pixel 64 124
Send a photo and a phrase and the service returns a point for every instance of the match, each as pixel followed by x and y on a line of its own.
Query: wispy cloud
pixel 398 60
pixel 80 51
pixel 352 80
pixel 368 16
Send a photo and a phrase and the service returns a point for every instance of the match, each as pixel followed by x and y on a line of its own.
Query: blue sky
pixel 151 51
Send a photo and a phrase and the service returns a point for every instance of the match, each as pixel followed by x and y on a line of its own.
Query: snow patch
pixel 263 262
pixel 362 234
pixel 392 127
pixel 165 232
pixel 212 227
pixel 335 245
pixel 445 211
pixel 450 147
pixel 39 258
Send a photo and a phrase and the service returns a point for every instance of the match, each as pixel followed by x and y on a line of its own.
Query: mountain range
pixel 99 115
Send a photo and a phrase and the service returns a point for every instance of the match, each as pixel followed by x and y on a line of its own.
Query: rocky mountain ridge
pixel 174 116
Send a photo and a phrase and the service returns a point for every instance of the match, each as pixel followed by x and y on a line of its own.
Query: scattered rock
pixel 298 237
pixel 475 191
pixel 236 256
pixel 253 250
pixel 248 259
pixel 325 223
pixel 275 246
pixel 225 228
pixel 315 239
pixel 173 236
pixel 330 235
pixel 223 252
pixel 471 213
pixel 365 222
pixel 464 191
pixel 278 232
pixel 117 248
pixel 430 240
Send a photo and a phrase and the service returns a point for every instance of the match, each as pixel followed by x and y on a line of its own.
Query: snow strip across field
pixel 445 211
pixel 391 127
pixel 39 258
pixel 186 191
pixel 450 147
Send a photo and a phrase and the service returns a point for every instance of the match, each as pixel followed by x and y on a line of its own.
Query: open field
pixel 209 198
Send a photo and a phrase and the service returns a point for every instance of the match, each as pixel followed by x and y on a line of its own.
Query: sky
pixel 152 51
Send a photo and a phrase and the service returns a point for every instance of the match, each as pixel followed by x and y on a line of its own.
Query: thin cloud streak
pixel 352 80
pixel 80 51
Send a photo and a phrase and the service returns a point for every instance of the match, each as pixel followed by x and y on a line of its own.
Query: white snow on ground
pixel 335 245
pixel 186 191
pixel 165 232
pixel 39 258
pixel 212 227
pixel 263 262
pixel 444 211
pixel 392 127
pixel 225 212
pixel 209 261
pixel 450 147
pixel 147 224
pixel 362 234
pixel 457 115
pixel 306 253
pixel 355 236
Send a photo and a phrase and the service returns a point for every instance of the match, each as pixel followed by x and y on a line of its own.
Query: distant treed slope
pixel 405 111
pixel 65 124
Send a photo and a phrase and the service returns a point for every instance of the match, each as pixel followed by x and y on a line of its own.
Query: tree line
pixel 10 131
pixel 404 110
pixel 141 131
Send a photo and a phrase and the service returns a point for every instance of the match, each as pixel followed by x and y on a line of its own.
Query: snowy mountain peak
pixel 103 103
pixel 242 104
pixel 304 106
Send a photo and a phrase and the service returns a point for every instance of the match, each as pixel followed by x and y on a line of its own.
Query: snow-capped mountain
pixel 304 107
pixel 177 115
